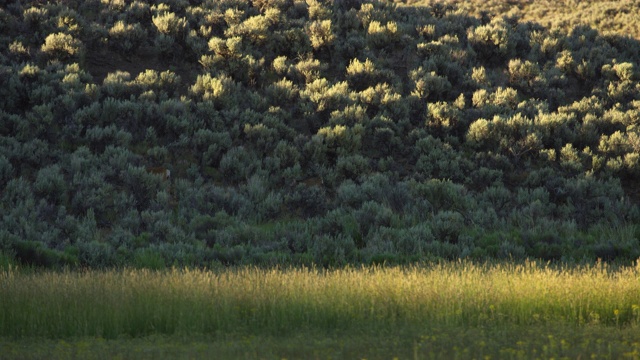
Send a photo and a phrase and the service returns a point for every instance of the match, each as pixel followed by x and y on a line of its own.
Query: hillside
pixel 208 133
pixel 607 16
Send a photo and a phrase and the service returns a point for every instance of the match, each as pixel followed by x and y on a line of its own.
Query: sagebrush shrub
pixel 62 46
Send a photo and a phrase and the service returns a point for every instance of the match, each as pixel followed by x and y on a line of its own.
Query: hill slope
pixel 271 131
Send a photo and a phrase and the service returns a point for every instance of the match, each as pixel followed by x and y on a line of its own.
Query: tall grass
pixel 277 301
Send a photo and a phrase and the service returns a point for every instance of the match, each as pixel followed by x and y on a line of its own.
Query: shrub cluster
pixel 198 133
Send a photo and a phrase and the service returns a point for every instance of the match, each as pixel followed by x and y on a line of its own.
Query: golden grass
pixel 278 301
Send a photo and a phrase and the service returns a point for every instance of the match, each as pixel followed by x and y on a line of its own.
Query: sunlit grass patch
pixel 135 303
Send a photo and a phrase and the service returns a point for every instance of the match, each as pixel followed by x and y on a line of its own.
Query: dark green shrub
pixel 211 145
pixel 447 226
pixel 441 195
pixel 38 21
pixel 352 167
pixel 543 245
pixel 34 253
pixel 442 250
pixel 229 256
pixel 498 198
pixel 331 251
pixel 7 261
pixel 142 185
pixel 263 138
pixel 95 254
pixel 50 183
pixel 377 187
pixel 149 259
pixel 238 164
pixel 379 244
pixel 6 171
pixel 204 227
pixel 373 215
pixel 412 242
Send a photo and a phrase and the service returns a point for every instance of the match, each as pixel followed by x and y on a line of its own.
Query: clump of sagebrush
pixel 604 15
pixel 434 133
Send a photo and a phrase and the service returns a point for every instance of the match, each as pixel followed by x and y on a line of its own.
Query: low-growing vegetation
pixel 509 342
pixel 419 306
pixel 606 16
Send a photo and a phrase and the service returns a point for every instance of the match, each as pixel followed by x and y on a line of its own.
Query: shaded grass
pixel 498 342
pixel 135 303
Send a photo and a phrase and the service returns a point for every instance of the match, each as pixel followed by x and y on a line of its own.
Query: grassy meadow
pixel 523 310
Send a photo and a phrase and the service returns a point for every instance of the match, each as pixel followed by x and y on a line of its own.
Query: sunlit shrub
pixel 221 90
pixel 117 84
pixel 166 81
pixel 380 35
pixel 364 75
pixel 63 47
pixel 126 37
pixel 442 116
pixel 310 69
pixel 340 139
pixel 523 74
pixel 318 10
pixel 168 23
pixel 326 96
pixel 18 50
pixel 321 34
pixel 493 42
pixel 70 22
pixel 282 92
pixel 429 85
pixel 253 29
